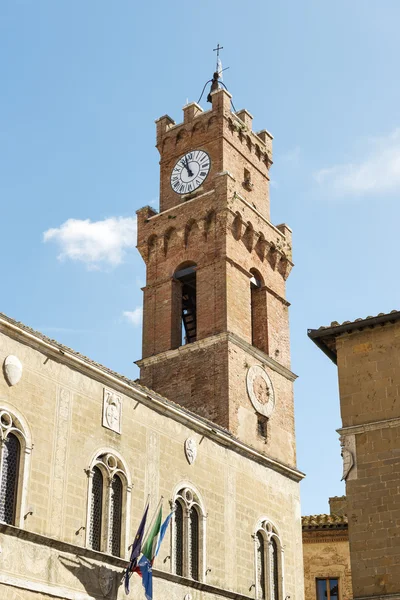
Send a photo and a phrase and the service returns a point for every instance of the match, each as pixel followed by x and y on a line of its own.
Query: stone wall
pixel 369 382
pixel 60 397
pixel 326 554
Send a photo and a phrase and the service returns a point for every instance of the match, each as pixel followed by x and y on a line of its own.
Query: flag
pixel 163 531
pixel 136 547
pixel 145 564
pixel 146 571
pixel 150 545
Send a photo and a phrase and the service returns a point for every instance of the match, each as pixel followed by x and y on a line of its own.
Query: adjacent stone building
pixel 367 354
pixel 210 426
pixel 327 572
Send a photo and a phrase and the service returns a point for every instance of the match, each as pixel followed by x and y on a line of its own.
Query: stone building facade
pixel 367 354
pixel 210 426
pixel 326 554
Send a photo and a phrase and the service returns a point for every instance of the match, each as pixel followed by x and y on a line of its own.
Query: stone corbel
pixel 248 237
pixel 237 227
pixel 285 266
pixel 273 256
pixel 261 247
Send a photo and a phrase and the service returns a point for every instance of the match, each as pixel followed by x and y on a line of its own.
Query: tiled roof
pixel 325 336
pixel 324 522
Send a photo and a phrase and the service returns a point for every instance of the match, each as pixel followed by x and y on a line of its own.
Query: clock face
pixel 190 171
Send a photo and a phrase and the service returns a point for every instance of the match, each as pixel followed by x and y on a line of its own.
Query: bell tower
pixel 215 322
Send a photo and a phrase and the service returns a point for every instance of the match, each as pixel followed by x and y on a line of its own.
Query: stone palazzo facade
pixel 367 355
pixel 210 425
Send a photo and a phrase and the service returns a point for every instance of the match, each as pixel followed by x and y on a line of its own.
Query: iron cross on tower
pixel 217 49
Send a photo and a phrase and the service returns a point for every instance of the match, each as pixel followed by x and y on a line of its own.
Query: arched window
pixel 188 535
pixel 96 509
pixel 15 450
pixel 108 504
pixel 184 305
pixel 115 516
pixel 260 564
pixel 9 478
pixel 178 538
pixel 269 562
pixel 258 308
pixel 194 543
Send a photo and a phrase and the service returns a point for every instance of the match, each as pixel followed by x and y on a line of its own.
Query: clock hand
pixel 190 173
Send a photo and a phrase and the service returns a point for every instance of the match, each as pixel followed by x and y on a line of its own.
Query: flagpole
pixel 149 528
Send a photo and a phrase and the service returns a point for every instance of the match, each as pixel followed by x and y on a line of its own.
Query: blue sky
pixel 83 82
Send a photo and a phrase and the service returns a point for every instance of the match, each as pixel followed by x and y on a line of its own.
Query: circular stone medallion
pixel 260 390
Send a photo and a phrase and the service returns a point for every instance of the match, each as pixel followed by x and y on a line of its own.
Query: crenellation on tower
pixel 191 111
pixel 163 124
pixel 245 117
pixel 215 303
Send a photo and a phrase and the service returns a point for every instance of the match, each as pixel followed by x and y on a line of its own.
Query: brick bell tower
pixel 215 323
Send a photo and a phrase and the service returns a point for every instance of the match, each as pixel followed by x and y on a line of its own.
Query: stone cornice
pixel 211 341
pixel 59 591
pixel 324 540
pixel 365 427
pixel 150 398
pixel 198 585
pixel 179 206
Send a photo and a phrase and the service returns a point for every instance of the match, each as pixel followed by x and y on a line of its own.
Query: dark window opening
pixel 193 544
pixel 178 538
pixel 115 516
pixel 187 278
pixel 255 286
pixel 261 564
pixel 274 570
pixel 9 479
pixel 262 427
pixel 96 510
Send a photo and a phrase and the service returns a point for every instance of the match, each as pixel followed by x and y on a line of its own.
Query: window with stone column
pixel 188 535
pixel 109 492
pixel 15 451
pixel 269 562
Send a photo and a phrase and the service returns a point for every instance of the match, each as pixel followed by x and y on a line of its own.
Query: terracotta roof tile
pixel 324 522
pixel 325 336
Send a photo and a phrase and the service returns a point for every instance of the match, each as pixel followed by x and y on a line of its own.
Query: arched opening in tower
pixel 186 276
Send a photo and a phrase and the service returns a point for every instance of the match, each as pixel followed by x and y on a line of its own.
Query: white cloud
pixel 94 243
pixel 378 171
pixel 134 316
